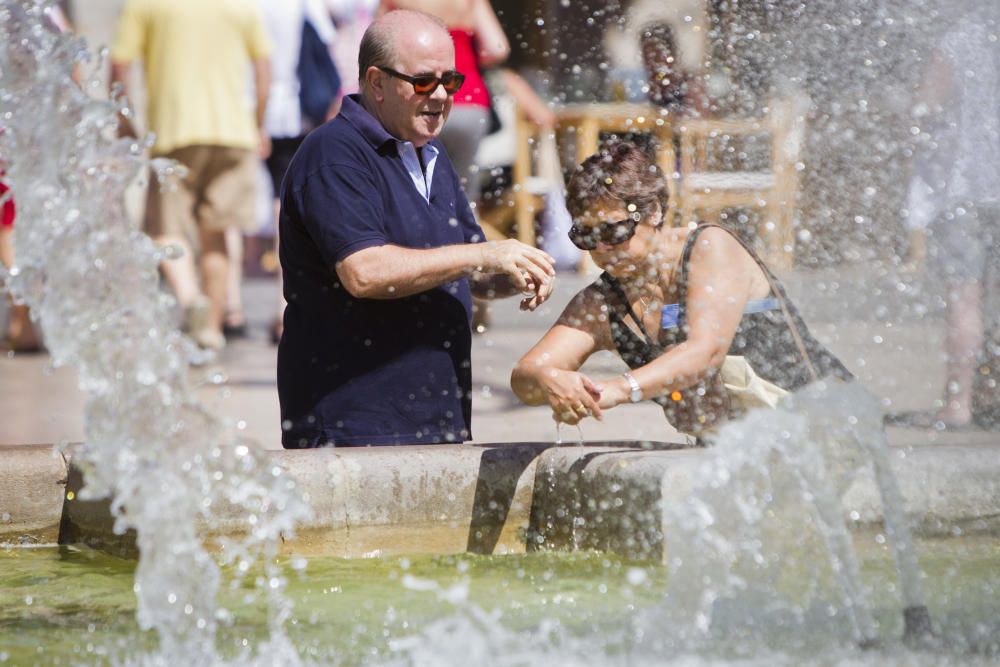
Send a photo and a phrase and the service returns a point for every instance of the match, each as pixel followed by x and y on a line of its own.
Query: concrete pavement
pixel 885 326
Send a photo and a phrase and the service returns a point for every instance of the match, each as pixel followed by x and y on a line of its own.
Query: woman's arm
pixel 493 47
pixel 548 372
pixel 722 277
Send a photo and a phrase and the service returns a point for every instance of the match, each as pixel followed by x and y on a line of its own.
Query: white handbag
pixel 746 389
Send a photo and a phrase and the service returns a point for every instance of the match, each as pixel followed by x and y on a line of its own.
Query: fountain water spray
pixel 90 278
pixel 766 510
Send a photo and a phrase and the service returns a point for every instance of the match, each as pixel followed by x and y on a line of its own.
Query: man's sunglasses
pixel 426 84
pixel 609 233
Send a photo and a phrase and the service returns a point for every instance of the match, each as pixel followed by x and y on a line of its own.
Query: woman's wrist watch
pixel 635 391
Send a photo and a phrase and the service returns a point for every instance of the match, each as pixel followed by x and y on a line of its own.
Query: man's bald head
pixel 381 41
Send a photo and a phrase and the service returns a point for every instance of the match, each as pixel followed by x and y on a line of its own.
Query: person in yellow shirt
pixel 196 56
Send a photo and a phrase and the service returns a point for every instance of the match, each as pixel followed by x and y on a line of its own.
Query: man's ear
pixel 375 80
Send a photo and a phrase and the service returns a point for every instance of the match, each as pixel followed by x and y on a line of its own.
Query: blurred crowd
pixel 235 133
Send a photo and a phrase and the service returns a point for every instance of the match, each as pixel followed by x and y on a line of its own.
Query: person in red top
pixel 20 334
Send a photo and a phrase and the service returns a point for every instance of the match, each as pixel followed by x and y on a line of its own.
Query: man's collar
pixel 368 125
pixel 364 122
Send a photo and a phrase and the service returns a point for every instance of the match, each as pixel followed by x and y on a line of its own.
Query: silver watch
pixel 635 393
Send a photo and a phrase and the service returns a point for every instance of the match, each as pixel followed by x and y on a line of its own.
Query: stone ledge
pixel 32 488
pixel 612 498
pixel 492 498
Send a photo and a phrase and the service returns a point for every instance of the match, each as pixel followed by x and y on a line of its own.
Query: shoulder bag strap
pixel 780 295
pixel 615 287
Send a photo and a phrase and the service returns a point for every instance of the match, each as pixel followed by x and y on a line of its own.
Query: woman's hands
pixel 614 392
pixel 571 395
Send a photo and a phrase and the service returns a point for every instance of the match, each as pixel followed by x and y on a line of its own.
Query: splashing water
pixel 761 542
pixel 90 278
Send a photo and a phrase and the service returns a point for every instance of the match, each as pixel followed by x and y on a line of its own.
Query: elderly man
pixel 381 254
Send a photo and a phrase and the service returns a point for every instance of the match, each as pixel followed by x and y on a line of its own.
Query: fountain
pixel 746 558
pixel 90 277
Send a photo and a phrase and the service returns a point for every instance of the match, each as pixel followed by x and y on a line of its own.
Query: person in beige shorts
pixel 196 57
pixel 217 193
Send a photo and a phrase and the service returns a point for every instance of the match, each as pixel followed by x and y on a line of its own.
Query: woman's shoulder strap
pixel 618 304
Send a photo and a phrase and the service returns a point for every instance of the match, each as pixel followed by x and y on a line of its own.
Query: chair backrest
pixel 784 124
pixel 787 119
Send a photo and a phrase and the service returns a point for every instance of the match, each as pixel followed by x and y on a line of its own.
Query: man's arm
pixel 393 272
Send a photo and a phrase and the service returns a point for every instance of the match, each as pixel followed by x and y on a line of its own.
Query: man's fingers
pixel 537 273
pixel 517 276
pixel 543 261
pixel 545 291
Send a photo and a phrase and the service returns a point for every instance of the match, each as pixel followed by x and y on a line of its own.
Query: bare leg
pixel 215 275
pixel 963 341
pixel 7 246
pixel 278 325
pixel 180 272
pixel 234 316
pixel 20 334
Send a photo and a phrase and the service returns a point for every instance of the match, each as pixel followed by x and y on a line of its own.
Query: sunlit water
pixel 64 606
pixel 767 498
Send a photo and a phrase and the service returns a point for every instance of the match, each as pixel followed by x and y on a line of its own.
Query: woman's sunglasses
pixel 609 233
pixel 426 84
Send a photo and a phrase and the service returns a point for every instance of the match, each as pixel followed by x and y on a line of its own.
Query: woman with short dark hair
pixel 673 302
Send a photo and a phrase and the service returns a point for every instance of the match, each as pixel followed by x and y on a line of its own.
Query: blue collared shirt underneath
pixel 421 176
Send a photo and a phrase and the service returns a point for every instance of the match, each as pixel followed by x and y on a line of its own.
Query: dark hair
pixel 659 34
pixel 620 171
pixel 666 81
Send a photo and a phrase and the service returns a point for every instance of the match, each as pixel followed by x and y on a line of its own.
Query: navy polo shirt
pixel 369 371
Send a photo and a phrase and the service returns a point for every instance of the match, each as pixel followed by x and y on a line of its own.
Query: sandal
pixel 21 336
pixel 20 346
pixel 237 330
pixel 277 327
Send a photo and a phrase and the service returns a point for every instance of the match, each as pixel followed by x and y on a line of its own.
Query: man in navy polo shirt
pixel 380 254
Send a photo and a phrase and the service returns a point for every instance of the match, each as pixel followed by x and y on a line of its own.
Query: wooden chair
pixel 530 186
pixel 772 191
pixel 513 213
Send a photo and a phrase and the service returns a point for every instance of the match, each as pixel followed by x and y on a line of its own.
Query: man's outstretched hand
pixel 519 261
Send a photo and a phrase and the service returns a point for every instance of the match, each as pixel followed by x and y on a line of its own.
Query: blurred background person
pixel 302 33
pixel 512 94
pixel 351 18
pixel 195 59
pixel 954 206
pixel 625 45
pixel 671 86
pixel 20 334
